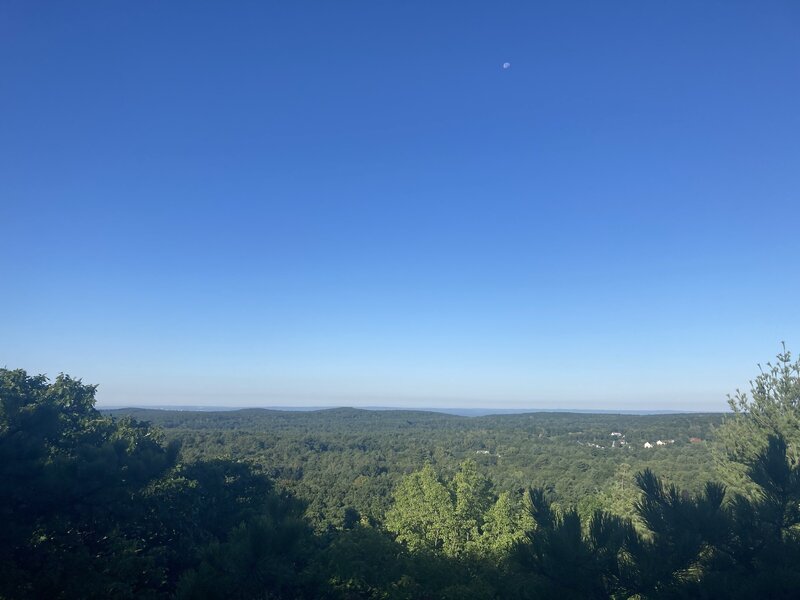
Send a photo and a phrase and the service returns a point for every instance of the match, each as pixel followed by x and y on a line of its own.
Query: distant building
pixel 481 452
pixel 648 445
pixel 616 434
pixel 660 443
pixel 695 440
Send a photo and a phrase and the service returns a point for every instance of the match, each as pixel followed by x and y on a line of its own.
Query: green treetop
pixel 422 516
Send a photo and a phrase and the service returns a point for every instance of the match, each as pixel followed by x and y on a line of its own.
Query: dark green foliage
pixel 95 507
pixel 365 563
pixel 567 562
pixel 761 549
pixel 681 531
pixel 71 485
pixel 266 557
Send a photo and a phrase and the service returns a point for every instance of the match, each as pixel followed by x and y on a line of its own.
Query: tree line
pixel 97 506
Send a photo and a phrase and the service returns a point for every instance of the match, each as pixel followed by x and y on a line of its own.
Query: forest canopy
pixel 359 504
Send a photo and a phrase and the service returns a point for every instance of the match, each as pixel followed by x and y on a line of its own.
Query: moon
pixel 506 66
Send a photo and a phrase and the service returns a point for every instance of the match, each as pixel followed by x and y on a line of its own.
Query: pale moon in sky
pixel 506 65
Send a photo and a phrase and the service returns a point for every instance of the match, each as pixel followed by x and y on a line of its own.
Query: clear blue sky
pixel 354 203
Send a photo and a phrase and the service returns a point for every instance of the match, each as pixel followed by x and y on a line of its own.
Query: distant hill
pixel 463 412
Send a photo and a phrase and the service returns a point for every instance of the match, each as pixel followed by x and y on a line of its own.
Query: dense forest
pixel 349 503
pixel 344 460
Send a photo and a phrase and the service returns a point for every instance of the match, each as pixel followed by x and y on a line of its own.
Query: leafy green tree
pixel 72 483
pixel 96 507
pixel 422 516
pixel 501 527
pixel 473 498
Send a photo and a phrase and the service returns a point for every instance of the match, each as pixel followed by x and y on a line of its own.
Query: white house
pixel 616 434
pixel 660 443
pixel 648 445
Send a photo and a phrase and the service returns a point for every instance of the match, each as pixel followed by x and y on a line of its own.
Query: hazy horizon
pixel 580 205
pixel 464 412
pixel 244 401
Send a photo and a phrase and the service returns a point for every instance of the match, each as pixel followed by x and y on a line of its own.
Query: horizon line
pixel 456 410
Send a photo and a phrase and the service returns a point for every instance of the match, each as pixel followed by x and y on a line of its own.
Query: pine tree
pixel 772 407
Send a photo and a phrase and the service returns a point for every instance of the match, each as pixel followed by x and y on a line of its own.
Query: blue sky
pixel 353 203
